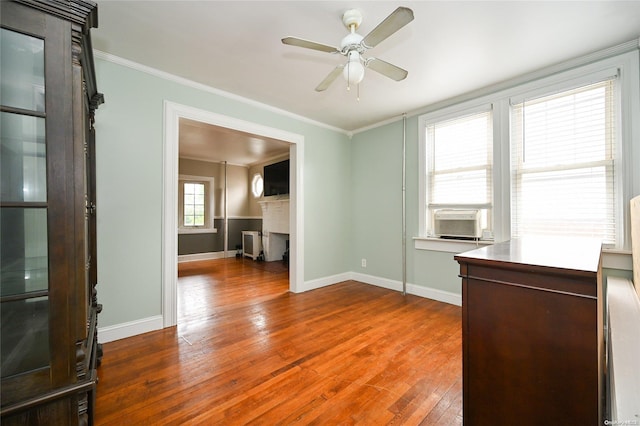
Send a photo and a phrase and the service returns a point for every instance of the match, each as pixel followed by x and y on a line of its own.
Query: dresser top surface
pixel 579 254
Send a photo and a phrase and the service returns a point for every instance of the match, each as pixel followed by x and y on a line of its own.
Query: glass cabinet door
pixel 48 305
pixel 24 257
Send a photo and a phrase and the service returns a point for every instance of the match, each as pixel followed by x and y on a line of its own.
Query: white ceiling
pixel 449 49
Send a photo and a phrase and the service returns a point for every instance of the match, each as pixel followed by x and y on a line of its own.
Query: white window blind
pixel 459 165
pixel 563 164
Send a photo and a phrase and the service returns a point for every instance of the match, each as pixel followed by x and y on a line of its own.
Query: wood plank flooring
pixel 246 351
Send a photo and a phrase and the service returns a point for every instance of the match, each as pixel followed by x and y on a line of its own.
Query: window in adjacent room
pixel 562 160
pixel 195 204
pixel 458 159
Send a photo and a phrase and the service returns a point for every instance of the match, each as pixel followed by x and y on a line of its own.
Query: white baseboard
pixel 414 289
pixel 325 281
pixel 377 281
pixel 435 294
pixel 128 329
pixel 205 256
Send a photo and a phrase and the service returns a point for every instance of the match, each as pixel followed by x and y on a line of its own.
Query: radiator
pixel 251 244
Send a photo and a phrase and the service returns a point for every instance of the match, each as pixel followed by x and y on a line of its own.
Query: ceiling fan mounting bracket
pixel 352 19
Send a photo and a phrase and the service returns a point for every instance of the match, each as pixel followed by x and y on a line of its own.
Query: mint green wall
pixel 377 210
pixel 129 187
pixel 327 225
pixel 619 273
pixel 376 163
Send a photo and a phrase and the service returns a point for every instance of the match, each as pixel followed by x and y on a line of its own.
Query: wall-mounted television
pixel 276 178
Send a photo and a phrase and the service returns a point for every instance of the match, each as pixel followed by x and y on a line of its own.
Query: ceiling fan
pixel 353 46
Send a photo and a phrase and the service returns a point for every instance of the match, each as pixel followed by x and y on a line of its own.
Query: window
pixel 257 185
pixel 459 165
pixel 560 156
pixel 195 204
pixel 563 164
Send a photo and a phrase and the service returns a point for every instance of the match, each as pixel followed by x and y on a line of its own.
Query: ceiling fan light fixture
pixel 353 72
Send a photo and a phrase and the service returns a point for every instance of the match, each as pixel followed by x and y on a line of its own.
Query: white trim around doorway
pixel 172 114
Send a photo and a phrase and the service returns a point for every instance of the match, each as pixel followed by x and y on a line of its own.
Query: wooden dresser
pixel 533 348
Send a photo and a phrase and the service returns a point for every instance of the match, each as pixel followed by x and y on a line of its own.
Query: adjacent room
pixel 320 212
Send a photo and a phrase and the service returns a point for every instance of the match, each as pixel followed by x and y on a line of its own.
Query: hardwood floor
pixel 248 351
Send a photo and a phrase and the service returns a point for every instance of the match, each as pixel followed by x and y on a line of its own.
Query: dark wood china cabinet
pixel 48 304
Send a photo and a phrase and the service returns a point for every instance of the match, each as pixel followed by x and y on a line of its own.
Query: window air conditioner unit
pixel 454 223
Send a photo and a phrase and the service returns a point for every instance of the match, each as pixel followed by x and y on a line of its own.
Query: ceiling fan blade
pixel 386 69
pixel 295 41
pixel 329 78
pixel 392 23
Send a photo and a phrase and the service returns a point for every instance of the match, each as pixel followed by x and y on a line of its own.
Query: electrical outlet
pixel 364 263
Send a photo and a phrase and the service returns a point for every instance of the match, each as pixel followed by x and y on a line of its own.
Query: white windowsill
pixel 611 258
pixel 617 259
pixel 197 231
pixel 448 245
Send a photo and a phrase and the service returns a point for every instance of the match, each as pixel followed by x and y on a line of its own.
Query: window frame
pixel 426 219
pixel 623 60
pixel 520 171
pixel 196 187
pixel 209 216
pixel 257 177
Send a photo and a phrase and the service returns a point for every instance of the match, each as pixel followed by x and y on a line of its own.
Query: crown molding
pixel 525 78
pixel 541 73
pixel 203 87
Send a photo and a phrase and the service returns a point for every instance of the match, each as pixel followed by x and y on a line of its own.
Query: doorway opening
pixel 172 114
